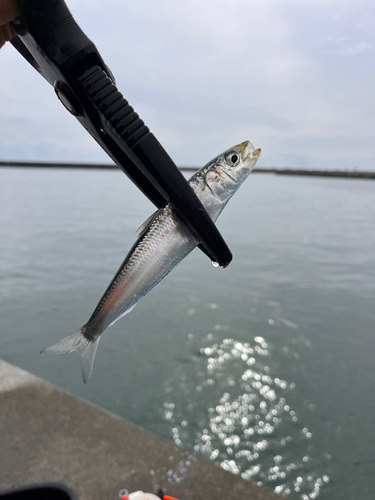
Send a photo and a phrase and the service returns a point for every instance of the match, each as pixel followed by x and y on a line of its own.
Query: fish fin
pixel 122 315
pixel 147 223
pixel 77 342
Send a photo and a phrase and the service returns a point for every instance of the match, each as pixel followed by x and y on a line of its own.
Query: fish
pixel 163 241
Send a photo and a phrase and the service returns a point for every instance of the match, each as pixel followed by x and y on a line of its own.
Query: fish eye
pixel 232 159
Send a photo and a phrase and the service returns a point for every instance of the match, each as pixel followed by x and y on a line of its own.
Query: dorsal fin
pixel 147 223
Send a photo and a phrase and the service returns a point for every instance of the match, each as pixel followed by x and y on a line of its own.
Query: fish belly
pixel 155 254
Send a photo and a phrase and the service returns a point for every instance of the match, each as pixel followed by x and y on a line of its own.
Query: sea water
pixel 266 368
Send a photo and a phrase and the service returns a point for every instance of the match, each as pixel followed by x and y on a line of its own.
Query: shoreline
pixel 48 435
pixel 351 174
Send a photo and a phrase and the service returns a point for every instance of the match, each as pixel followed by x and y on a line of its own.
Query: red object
pixel 166 497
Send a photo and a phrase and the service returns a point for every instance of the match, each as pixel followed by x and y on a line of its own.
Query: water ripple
pixel 247 425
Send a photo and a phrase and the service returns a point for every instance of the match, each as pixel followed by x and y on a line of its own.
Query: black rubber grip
pixel 53 28
pixel 123 124
pixel 113 107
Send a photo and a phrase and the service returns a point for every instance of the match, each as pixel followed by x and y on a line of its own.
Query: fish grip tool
pixel 54 44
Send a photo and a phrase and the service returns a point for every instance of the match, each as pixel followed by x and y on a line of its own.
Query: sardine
pixel 163 241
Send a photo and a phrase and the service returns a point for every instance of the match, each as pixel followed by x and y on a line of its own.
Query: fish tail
pixel 80 343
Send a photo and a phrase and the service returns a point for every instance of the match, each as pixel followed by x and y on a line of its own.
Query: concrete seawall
pixel 49 435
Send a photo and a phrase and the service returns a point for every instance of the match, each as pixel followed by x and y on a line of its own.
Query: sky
pixel 295 77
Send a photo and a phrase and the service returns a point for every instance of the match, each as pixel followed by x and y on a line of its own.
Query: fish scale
pixel 164 240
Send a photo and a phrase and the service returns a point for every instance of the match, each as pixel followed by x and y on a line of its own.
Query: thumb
pixel 8 11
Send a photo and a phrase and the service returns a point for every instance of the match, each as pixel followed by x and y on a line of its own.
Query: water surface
pixel 266 368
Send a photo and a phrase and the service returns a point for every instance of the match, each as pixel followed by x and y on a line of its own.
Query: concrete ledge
pixel 49 435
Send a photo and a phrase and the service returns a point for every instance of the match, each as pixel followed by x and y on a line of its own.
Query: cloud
pixel 341 46
pixel 208 74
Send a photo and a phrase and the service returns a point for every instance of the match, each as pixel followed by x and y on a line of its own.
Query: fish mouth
pixel 257 153
pixel 248 150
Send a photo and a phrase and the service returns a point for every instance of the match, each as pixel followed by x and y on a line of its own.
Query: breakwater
pixel 352 174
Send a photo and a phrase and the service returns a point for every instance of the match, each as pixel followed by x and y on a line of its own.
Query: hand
pixel 8 12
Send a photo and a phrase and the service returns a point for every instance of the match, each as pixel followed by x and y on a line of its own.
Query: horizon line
pixel 354 173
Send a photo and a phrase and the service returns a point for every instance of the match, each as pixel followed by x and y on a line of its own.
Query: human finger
pixel 6 34
pixel 2 38
pixel 8 11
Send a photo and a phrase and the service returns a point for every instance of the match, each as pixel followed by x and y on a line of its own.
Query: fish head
pixel 238 162
pixel 225 174
pixel 219 179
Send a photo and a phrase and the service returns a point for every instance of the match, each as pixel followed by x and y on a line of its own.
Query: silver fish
pixel 164 240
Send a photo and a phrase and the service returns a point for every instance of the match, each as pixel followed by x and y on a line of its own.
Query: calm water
pixel 266 368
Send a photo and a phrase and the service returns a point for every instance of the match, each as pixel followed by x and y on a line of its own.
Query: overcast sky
pixel 295 77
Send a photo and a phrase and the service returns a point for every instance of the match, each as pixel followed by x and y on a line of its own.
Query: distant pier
pixel 352 174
